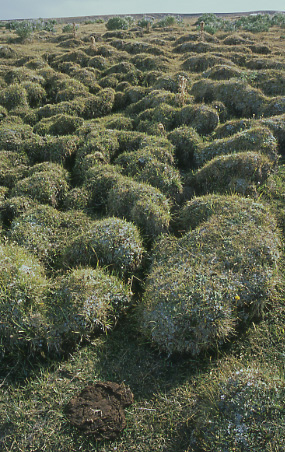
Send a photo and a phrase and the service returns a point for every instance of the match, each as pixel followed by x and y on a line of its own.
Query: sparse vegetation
pixel 142 225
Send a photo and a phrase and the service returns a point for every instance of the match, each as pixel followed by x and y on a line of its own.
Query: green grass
pixel 88 133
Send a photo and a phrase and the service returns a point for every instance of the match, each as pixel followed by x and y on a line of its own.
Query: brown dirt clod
pixel 99 409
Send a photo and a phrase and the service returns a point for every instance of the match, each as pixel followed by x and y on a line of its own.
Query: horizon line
pixel 149 14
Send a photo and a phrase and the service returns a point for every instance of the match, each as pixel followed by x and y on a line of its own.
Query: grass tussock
pixel 142 225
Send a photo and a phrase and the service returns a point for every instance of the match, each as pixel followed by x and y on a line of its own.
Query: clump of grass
pixel 241 99
pixel 201 208
pixel 243 172
pixel 100 105
pixel 82 303
pixel 13 96
pixel 15 206
pixel 56 149
pixel 215 277
pixel 232 127
pixel 186 142
pixel 19 75
pixel 36 94
pixel 259 139
pixel 162 115
pixel 13 166
pixel 12 135
pixel 111 242
pixel 239 407
pixel 23 288
pixel 198 63
pixel 202 118
pixel 45 231
pixel 3 192
pixel 77 199
pixel 143 166
pixel 275 106
pixel 99 146
pixel 58 125
pixel 98 182
pixel 45 182
pixel 140 203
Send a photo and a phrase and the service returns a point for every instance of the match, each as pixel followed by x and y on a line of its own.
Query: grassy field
pixel 142 222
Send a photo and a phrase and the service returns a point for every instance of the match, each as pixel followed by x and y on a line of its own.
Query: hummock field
pixel 142 218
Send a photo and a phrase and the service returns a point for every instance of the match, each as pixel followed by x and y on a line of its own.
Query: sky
pixel 28 9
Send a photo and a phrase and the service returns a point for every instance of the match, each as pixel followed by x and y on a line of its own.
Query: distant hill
pixel 155 15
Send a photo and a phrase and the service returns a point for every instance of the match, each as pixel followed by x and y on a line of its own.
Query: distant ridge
pixel 79 19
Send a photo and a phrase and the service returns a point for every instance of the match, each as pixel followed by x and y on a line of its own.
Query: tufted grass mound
pixel 117 121
pixel 45 231
pixel 110 242
pixel 241 99
pixel 77 198
pixel 87 76
pixel 186 141
pixel 243 173
pixel 257 138
pixel 141 204
pixel 73 107
pixel 22 75
pixel 98 62
pixel 36 93
pixel 277 126
pixel 201 208
pixel 14 206
pixel 100 104
pixel 216 277
pixel 183 309
pixel 223 72
pixel 161 147
pixel 273 191
pixel 58 125
pixel 153 99
pixel 197 63
pixel 240 407
pixel 3 193
pixel 23 288
pixel 100 146
pixel 13 96
pixel 146 62
pixel 84 302
pixel 62 88
pixel 202 118
pixel 13 166
pixel 271 82
pixel 3 112
pixel 45 182
pixel 147 153
pixel 143 166
pixel 50 148
pixel 232 127
pixel 12 135
pixel 163 113
pixel 98 182
pixel 276 106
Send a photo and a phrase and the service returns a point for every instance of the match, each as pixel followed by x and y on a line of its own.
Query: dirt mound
pixel 99 409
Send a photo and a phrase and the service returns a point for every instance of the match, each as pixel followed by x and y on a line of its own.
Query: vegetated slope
pixel 142 221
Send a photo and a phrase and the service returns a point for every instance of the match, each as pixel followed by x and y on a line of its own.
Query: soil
pixel 98 409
